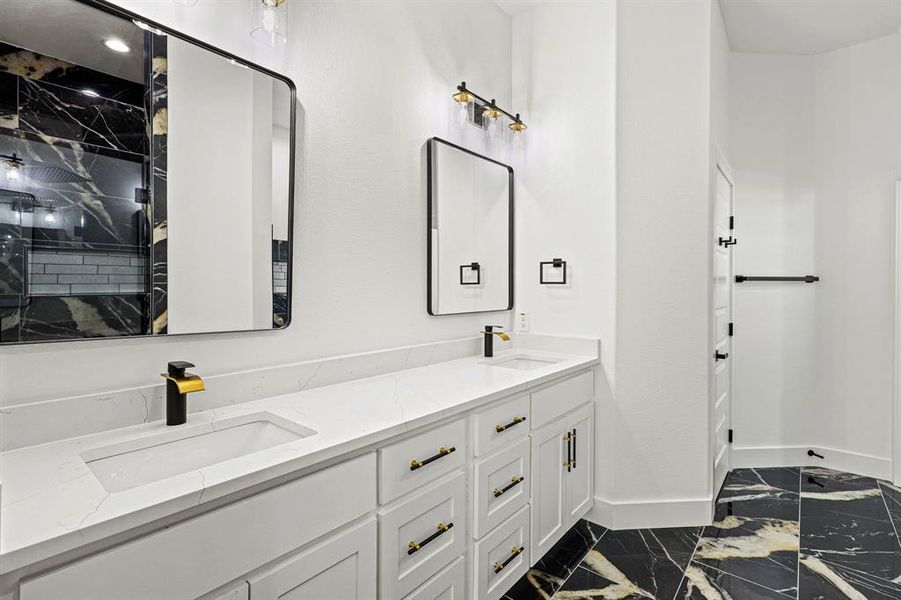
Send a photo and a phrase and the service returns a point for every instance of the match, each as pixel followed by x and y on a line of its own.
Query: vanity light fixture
pixel 270 22
pixel 116 45
pixel 484 112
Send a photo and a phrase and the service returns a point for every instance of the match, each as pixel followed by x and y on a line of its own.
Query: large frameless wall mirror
pixel 470 221
pixel 146 180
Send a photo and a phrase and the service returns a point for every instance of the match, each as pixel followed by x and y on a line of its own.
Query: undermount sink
pixel 187 448
pixel 521 362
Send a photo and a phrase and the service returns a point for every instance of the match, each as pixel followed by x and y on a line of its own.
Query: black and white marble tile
pixel 847 524
pixel 157 106
pixel 54 111
pixel 9 101
pixel 891 494
pixel 642 563
pixel 766 493
pixel 705 583
pixel 549 573
pixel 841 544
pixel 821 580
pixel 759 550
pixel 70 317
pixel 25 63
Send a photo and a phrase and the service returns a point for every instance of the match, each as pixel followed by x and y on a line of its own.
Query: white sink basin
pixel 187 448
pixel 521 362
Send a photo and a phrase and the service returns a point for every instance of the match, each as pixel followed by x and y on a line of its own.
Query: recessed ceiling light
pixel 116 45
pixel 90 92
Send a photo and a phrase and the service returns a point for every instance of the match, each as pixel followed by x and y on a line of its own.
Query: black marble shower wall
pixel 157 105
pixel 76 200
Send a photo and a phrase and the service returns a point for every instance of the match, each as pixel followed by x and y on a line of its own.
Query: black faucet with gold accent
pixel 489 338
pixel 179 383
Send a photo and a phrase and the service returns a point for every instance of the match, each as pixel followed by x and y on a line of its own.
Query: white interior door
pixel 723 242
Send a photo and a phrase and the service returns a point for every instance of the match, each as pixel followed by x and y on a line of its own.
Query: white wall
pixel 775 363
pixel 374 82
pixel 564 83
pixel 662 469
pixel 858 160
pixel 817 150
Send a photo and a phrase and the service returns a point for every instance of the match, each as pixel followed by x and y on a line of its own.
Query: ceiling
pixel 807 26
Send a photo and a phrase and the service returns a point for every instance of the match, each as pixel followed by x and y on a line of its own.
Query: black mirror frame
pixel 123 13
pixel 429 214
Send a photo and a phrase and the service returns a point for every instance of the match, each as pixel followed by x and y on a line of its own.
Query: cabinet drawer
pixel 420 535
pixel 560 398
pixel 501 424
pixel 501 487
pixel 448 584
pixel 190 559
pixel 502 557
pixel 410 463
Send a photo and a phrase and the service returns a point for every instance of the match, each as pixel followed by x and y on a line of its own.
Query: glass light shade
pixel 270 22
pixel 517 126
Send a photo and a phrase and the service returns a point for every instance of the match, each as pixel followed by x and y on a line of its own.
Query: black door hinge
pixel 732 222
pixel 730 436
pixel 731 329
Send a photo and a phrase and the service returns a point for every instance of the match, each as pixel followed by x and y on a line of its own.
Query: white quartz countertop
pixel 52 503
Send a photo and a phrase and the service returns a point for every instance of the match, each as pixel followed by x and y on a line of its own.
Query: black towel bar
pixel 804 278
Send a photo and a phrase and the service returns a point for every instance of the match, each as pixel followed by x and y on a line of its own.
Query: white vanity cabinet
pixel 454 511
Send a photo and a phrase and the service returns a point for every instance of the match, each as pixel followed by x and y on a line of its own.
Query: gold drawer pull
pixel 498 567
pixel 513 423
pixel 514 482
pixel 413 547
pixel 442 452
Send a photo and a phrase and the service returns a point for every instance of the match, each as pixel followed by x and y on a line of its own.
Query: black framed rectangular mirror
pixel 146 180
pixel 470 231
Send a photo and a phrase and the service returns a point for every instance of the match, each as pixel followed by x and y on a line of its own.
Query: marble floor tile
pixel 760 550
pixel 549 573
pixel 892 496
pixel 820 580
pixel 705 583
pixel 769 493
pixel 638 563
pixel 846 523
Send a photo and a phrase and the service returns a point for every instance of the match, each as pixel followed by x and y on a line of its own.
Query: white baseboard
pixel 796 456
pixel 651 513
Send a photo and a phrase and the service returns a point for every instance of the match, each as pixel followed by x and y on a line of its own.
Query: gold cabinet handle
pixel 513 482
pixel 442 452
pixel 498 567
pixel 413 547
pixel 516 421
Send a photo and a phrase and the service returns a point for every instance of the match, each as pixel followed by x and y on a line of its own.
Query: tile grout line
pixel 891 518
pixel 579 564
pixel 798 564
pixel 733 576
pixel 690 559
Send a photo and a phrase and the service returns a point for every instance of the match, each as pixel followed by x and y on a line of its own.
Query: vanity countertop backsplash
pixel 54 502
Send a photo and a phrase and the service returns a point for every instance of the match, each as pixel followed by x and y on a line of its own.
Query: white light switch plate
pixel 523 322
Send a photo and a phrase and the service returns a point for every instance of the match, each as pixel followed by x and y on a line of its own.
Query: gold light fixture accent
pixel 484 112
pixel 517 126
pixel 491 111
pixel 462 97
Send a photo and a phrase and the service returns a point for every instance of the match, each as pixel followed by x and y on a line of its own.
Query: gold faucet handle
pixel 187 383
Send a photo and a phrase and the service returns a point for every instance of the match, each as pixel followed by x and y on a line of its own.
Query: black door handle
pixel 720 356
pixel 726 242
